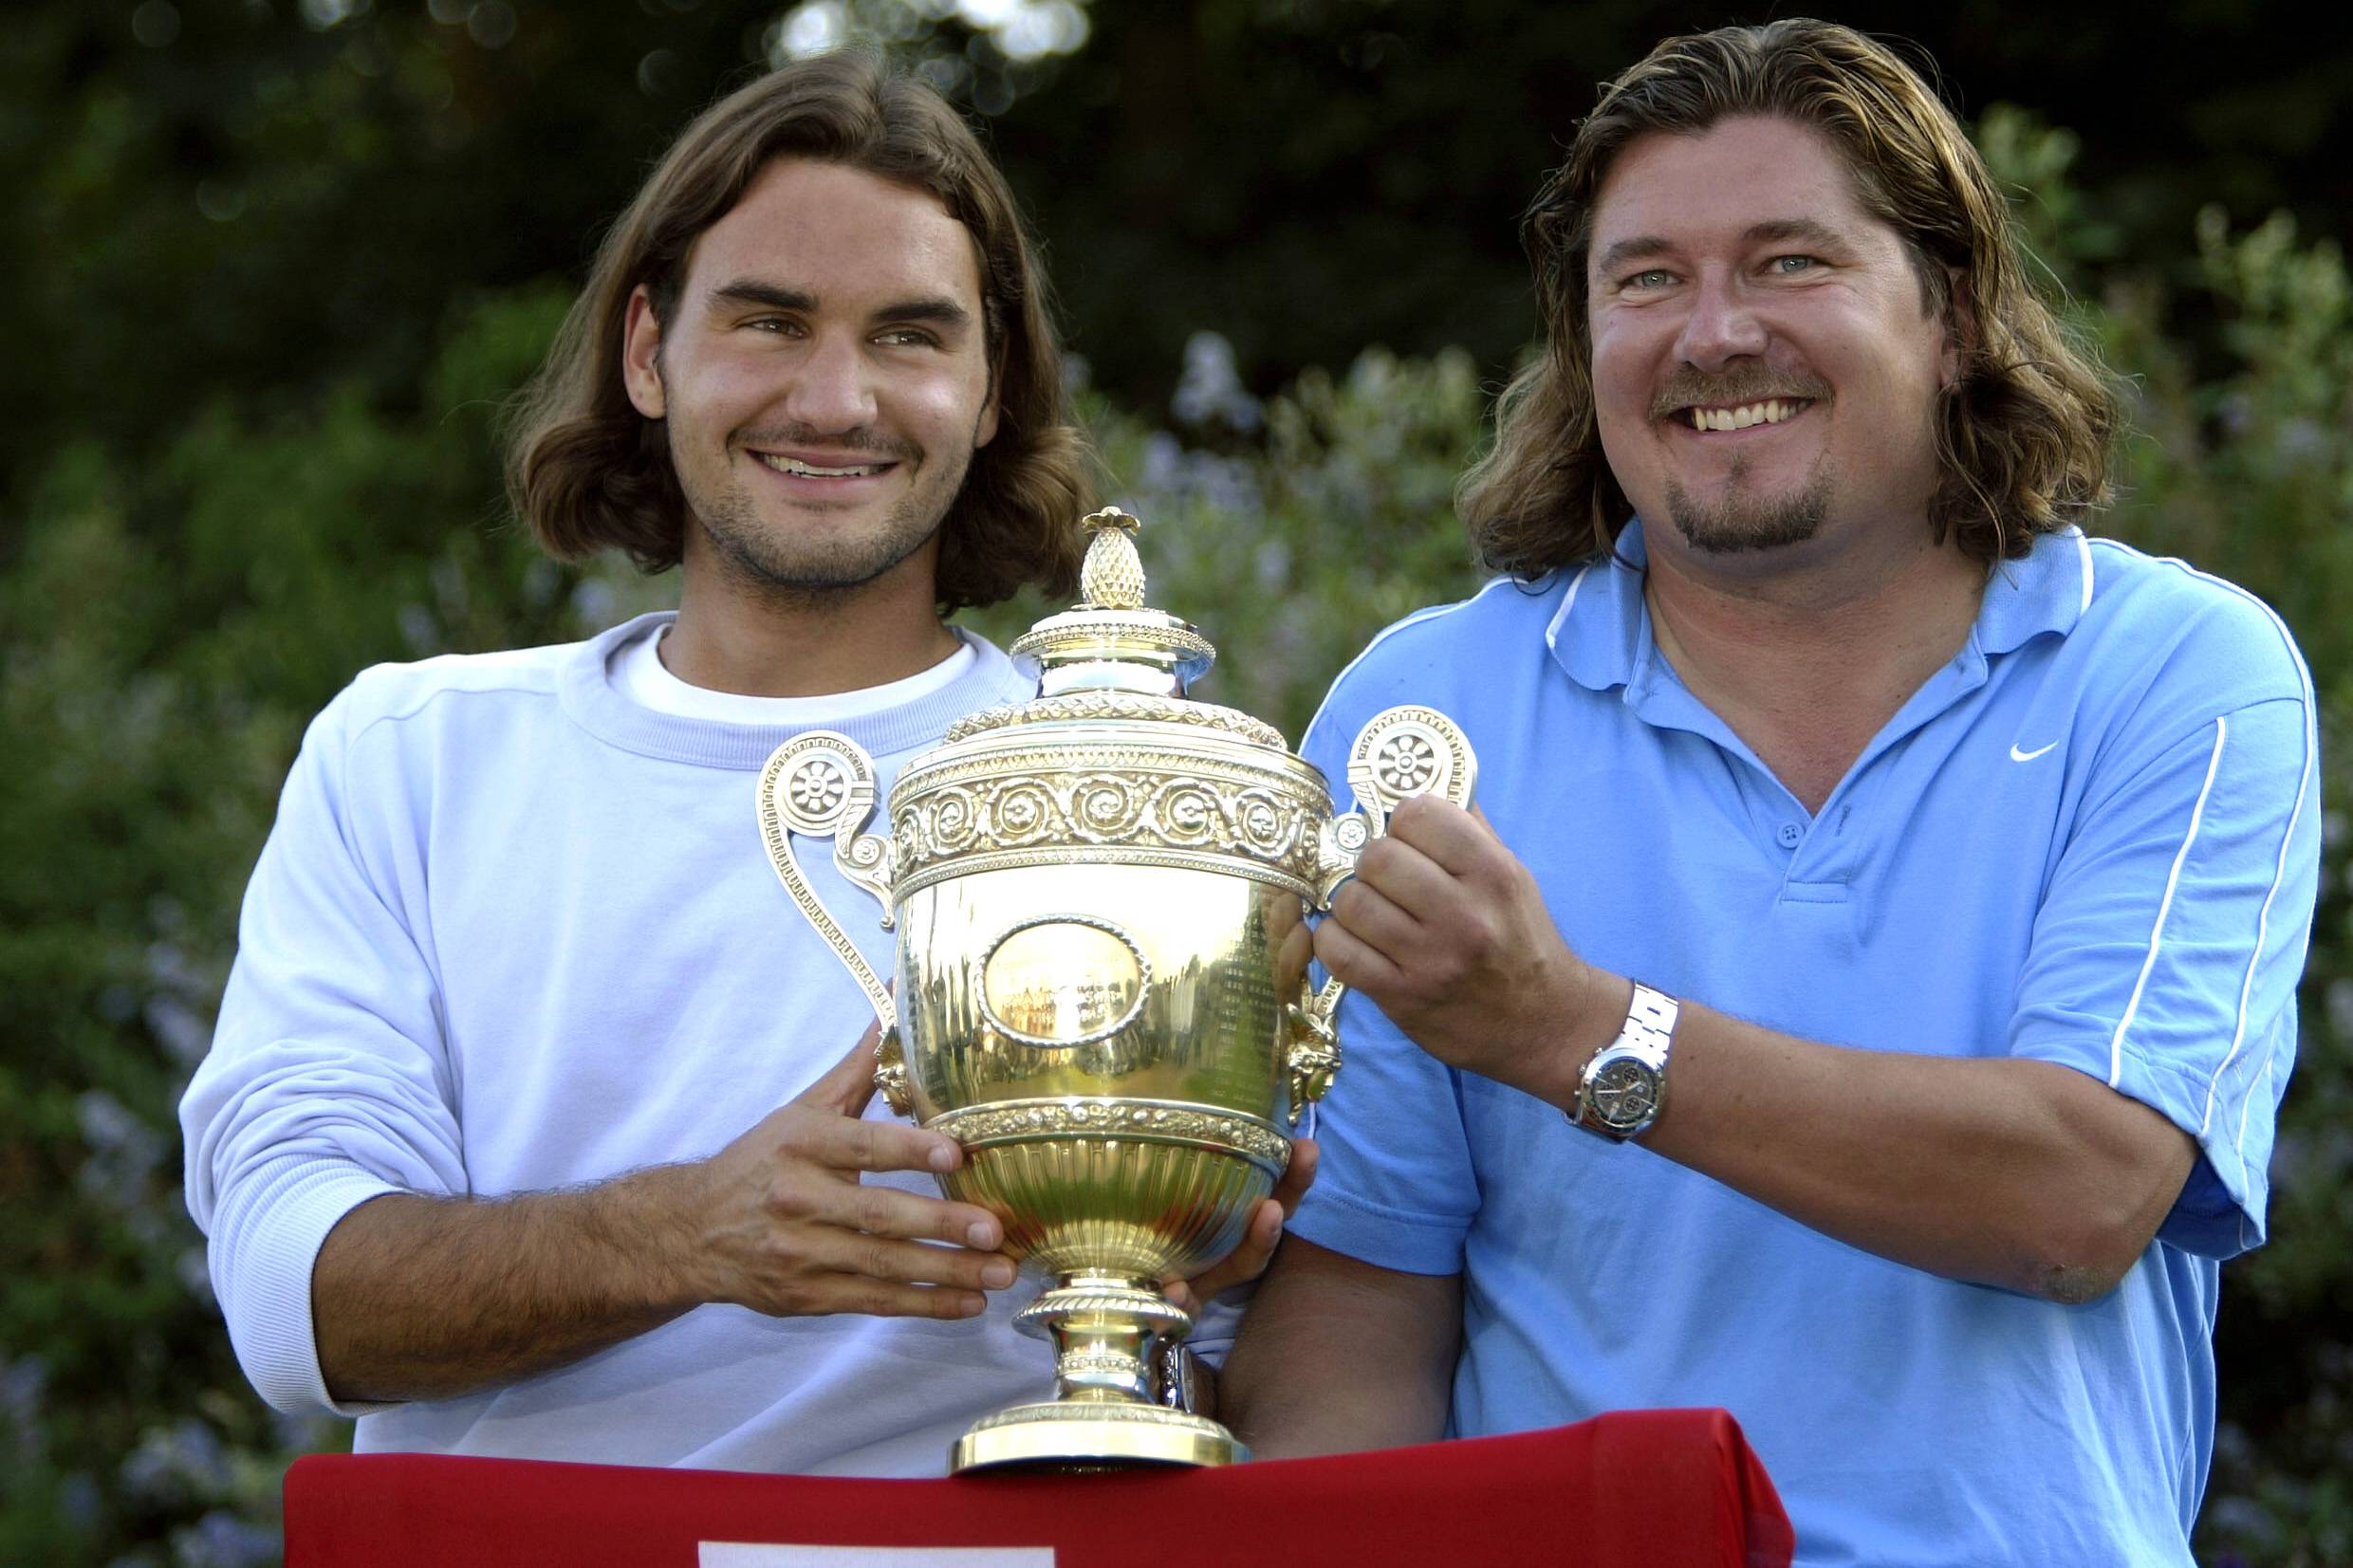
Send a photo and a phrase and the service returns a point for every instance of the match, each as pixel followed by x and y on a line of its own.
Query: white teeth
pixel 1770 411
pixel 793 464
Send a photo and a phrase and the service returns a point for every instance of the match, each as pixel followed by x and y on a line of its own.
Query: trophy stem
pixel 1107 1331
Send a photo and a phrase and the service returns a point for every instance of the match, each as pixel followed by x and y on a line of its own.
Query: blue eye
pixel 1791 266
pixel 1656 277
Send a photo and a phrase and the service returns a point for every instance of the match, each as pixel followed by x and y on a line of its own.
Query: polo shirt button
pixel 1790 835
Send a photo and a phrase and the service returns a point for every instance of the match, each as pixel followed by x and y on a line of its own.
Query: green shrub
pixel 2242 464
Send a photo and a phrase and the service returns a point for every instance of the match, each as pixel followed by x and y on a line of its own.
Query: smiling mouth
pixel 1773 411
pixel 816 470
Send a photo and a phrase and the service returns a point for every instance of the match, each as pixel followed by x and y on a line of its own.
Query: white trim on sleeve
pixel 2164 907
pixel 2304 788
pixel 2247 985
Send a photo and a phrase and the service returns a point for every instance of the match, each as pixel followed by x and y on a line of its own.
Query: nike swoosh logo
pixel 2018 756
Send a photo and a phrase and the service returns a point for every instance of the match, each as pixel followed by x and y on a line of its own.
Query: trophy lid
pixel 1111 641
pixel 1111 656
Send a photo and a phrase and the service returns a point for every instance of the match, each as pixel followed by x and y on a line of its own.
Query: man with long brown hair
pixel 1920 884
pixel 528 1128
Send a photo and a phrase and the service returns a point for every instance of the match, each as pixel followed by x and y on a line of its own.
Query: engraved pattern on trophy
pixel 1152 1415
pixel 1117 705
pixel 1102 978
pixel 1168 1123
pixel 1115 800
pixel 1138 630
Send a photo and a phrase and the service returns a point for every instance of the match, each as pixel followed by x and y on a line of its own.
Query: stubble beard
pixel 788 568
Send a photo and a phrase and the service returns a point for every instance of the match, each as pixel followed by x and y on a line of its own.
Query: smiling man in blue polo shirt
pixel 1919 885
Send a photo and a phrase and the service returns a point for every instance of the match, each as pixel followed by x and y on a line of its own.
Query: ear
pixel 1960 324
pixel 641 350
pixel 985 429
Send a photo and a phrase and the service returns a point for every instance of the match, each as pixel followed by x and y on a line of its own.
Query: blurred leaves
pixel 2246 471
pixel 1293 551
pixel 171 627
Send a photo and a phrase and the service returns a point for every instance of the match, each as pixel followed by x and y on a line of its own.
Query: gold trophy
pixel 1103 988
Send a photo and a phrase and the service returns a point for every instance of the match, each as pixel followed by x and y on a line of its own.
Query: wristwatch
pixel 1182 1381
pixel 1624 1087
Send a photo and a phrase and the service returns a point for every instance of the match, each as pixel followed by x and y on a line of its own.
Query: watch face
pixel 1624 1093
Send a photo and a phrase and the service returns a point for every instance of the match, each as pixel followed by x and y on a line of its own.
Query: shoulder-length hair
pixel 590 472
pixel 2023 434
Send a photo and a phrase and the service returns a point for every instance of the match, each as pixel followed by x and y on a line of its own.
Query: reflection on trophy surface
pixel 1103 988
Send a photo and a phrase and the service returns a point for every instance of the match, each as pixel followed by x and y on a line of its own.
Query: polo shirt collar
pixel 2049 591
pixel 1601 634
pixel 1602 637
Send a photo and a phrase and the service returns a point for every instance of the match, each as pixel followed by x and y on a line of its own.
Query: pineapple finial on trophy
pixel 1111 641
pixel 1113 578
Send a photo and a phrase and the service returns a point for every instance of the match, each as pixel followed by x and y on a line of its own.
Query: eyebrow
pixel 936 309
pixel 1639 247
pixel 750 291
pixel 1805 230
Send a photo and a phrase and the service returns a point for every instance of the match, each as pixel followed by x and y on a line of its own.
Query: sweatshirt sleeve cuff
pixel 264 1246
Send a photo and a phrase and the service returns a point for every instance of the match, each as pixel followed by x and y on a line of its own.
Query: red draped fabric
pixel 1660 1489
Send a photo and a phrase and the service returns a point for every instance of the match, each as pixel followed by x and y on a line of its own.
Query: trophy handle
pixel 1400 752
pixel 823 782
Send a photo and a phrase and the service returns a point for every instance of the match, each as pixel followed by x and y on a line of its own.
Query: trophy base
pixel 1075 1435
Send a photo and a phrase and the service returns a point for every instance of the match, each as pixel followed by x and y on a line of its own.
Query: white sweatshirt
pixel 514 930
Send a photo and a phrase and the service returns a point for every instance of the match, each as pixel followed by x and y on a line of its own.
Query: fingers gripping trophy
pixel 1102 989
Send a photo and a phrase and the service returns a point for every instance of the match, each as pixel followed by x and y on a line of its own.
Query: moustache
pixel 1688 388
pixel 861 440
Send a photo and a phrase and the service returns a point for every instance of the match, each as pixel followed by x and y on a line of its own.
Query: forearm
pixel 415 1298
pixel 1336 1356
pixel 2024 1175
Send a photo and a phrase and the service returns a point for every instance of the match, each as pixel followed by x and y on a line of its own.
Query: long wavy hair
pixel 2024 433
pixel 590 472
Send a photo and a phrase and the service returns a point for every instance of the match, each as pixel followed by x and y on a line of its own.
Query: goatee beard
pixel 1739 524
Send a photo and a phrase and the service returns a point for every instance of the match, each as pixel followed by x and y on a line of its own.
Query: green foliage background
pixel 286 265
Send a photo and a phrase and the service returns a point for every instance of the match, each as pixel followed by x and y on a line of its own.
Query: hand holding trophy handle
pixel 822 783
pixel 1400 752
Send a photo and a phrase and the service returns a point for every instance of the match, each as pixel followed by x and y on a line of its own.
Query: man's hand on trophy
pixel 1446 931
pixel 1249 1260
pixel 781 1223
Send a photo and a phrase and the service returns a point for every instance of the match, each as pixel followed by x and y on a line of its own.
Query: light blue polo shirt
pixel 2090 838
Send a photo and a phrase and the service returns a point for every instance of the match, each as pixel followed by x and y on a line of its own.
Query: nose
pixel 832 388
pixel 1720 326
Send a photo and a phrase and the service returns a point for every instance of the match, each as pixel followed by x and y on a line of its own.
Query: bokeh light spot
pixel 658 73
pixel 808 30
pixel 491 23
pixel 219 202
pixel 155 24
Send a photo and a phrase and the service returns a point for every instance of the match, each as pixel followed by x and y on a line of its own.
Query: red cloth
pixel 1660 1489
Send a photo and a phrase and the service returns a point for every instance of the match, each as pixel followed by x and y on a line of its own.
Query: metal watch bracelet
pixel 1623 1088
